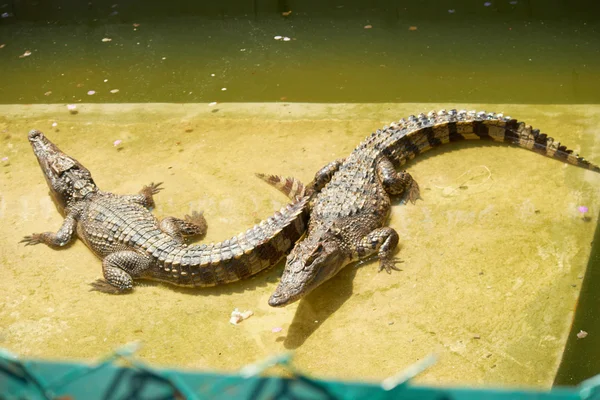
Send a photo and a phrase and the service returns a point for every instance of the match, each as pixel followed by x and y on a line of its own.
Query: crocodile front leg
pixel 191 225
pixel 145 196
pixel 397 183
pixel 119 270
pixel 382 240
pixel 64 235
pixel 324 175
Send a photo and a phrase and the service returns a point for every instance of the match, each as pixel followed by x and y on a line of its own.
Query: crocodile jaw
pixel 311 263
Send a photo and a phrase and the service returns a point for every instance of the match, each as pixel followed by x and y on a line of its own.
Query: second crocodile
pixel 349 212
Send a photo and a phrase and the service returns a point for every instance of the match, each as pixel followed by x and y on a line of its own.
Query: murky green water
pixel 522 53
pixel 494 254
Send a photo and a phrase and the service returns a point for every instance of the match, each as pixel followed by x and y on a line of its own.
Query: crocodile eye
pixel 315 254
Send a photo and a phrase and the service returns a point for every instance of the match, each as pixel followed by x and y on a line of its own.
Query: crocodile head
pixel 67 179
pixel 312 261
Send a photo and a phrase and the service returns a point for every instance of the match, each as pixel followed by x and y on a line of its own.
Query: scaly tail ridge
pixel 289 186
pixel 410 137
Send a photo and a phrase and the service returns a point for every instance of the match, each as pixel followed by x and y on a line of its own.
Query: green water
pixel 492 272
pixel 529 52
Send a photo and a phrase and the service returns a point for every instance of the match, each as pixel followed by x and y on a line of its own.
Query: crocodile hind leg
pixel 382 241
pixel 119 269
pixel 191 225
pixel 397 183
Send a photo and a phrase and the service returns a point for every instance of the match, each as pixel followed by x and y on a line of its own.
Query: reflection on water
pixel 491 271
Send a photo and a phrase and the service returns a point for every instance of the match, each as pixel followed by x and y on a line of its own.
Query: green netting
pixel 121 376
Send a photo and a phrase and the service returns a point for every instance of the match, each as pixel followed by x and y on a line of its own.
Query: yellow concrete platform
pixel 493 254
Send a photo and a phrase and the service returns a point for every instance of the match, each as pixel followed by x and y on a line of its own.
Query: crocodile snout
pixel 35 135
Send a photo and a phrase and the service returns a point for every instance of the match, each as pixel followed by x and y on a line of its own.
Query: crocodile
pixel 349 210
pixel 133 244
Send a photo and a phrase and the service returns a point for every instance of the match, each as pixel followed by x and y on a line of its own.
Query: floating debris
pixel 117 142
pixel 106 80
pixel 26 54
pixel 412 28
pixel 277 329
pixel 582 335
pixel 106 40
pixel 278 37
pixel 72 108
pixel 452 11
pixel 368 26
pixel 286 39
pixel 136 25
pixel 91 92
pixel 114 91
pixel 2 45
pixel 286 13
pixel 513 2
pixel 242 49
pixel 6 15
pixel 212 74
pixel 214 103
pixel 487 4
pixel 48 93
pixel 223 89
pixel 54 124
pixel 237 316
pixel 4 159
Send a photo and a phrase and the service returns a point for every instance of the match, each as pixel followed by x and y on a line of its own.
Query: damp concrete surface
pixel 493 254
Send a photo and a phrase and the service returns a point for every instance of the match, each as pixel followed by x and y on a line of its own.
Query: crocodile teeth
pixel 431 114
pixel 442 112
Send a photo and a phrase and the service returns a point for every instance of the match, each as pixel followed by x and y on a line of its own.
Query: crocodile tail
pixel 241 256
pixel 289 186
pixel 411 137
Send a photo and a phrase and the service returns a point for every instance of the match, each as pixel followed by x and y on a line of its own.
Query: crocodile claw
pixel 103 286
pixel 390 265
pixel 32 239
pixel 154 188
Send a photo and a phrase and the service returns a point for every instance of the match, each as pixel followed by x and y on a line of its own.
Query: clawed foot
pixel 414 193
pixel 102 286
pixel 153 188
pixel 32 239
pixel 390 265
pixel 197 218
